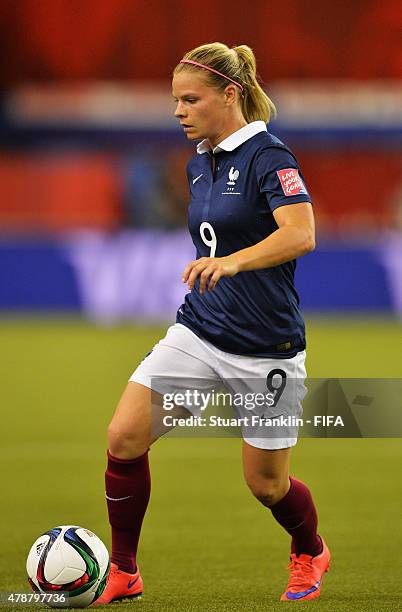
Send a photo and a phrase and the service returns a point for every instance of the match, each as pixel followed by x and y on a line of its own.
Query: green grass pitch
pixel 207 545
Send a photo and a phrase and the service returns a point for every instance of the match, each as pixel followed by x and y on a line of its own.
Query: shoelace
pixel 300 572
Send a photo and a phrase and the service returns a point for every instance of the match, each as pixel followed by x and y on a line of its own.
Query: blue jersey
pixel 253 313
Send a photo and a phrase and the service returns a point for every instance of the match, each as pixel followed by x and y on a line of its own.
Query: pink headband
pixel 187 61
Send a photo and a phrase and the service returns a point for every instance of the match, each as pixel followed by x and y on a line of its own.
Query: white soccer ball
pixel 71 560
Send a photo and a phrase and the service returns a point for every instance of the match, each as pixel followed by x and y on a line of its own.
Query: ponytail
pixel 256 105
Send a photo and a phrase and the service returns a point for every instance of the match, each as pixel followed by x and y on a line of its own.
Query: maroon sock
pixel 297 514
pixel 128 487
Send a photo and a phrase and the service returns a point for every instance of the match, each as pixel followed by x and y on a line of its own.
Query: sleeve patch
pixel 291 182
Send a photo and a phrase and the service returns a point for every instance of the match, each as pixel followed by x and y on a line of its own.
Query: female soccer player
pixel 250 217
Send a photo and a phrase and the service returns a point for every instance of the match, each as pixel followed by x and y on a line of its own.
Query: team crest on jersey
pixel 291 182
pixel 233 176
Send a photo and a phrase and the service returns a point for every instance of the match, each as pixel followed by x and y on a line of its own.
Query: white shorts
pixel 183 361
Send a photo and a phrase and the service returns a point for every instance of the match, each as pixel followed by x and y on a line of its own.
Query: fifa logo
pixel 233 176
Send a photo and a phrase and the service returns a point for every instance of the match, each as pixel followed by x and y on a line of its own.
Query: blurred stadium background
pixel 92 163
pixel 92 243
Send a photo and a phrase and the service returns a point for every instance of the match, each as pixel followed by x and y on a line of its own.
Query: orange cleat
pixel 120 585
pixel 306 575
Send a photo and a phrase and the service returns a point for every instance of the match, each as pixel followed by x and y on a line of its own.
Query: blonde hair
pixel 239 64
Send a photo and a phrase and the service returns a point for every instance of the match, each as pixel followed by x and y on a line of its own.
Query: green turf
pixel 207 544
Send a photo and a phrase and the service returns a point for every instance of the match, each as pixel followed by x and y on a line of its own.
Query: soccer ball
pixel 69 560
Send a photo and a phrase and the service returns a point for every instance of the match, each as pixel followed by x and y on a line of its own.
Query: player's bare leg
pixel 129 432
pixel 267 475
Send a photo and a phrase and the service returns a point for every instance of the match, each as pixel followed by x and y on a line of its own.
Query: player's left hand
pixel 210 270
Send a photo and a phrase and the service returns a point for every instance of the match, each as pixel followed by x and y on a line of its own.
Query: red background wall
pixel 137 39
pixel 64 40
pixel 354 191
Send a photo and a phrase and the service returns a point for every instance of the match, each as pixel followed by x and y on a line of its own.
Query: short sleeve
pixel 279 178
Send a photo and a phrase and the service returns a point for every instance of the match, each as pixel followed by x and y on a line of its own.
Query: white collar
pixel 234 140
